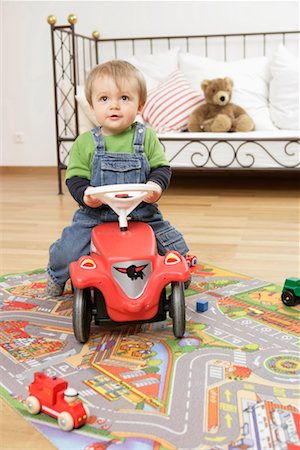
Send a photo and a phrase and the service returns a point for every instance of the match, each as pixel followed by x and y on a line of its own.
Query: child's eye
pixel 103 98
pixel 125 98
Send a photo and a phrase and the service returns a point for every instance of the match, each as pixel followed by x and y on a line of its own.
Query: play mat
pixel 231 383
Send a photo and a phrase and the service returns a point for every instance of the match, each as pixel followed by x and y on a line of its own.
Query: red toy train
pixel 52 396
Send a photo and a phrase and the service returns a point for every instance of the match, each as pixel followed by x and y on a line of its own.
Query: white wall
pixel 27 86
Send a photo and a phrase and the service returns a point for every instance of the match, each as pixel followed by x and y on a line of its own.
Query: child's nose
pixel 114 104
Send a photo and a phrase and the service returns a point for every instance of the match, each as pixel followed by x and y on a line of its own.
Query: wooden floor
pixel 248 225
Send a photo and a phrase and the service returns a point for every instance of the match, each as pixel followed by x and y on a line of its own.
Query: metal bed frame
pixel 73 54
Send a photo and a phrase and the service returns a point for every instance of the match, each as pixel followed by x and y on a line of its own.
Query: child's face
pixel 115 107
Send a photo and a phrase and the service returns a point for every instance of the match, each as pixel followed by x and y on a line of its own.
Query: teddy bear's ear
pixel 229 81
pixel 204 84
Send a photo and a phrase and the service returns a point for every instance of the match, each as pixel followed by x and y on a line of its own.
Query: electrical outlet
pixel 19 138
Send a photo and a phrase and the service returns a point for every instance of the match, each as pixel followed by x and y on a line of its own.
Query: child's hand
pixel 152 197
pixel 92 202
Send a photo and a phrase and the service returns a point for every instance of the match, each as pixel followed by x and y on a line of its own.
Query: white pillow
pixel 169 105
pixel 86 114
pixel 86 117
pixel 284 89
pixel 251 79
pixel 156 67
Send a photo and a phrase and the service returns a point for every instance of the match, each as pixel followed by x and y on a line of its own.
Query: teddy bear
pixel 217 114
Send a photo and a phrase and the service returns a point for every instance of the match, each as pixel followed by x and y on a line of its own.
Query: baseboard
pixel 30 170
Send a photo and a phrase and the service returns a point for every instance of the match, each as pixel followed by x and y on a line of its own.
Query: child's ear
pixel 140 108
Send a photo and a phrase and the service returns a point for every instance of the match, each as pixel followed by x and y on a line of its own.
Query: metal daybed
pixel 74 54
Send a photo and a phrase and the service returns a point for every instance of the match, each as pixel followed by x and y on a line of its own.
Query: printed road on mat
pixel 232 382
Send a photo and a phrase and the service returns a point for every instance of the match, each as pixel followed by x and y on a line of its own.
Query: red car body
pixel 123 255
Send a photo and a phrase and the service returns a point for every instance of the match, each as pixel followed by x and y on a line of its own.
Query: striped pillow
pixel 169 105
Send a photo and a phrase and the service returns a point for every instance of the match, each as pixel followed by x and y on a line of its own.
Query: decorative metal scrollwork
pixel 227 154
pixel 295 162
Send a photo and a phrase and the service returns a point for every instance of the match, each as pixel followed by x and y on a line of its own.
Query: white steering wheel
pixel 122 198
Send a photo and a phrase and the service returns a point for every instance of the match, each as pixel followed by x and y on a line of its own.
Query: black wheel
pixel 82 314
pixel 177 309
pixel 187 283
pixel 288 298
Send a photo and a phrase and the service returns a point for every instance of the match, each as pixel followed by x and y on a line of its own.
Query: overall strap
pixel 139 137
pixel 98 140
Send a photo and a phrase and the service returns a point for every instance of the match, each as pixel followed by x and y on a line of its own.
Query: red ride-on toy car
pixel 124 279
pixel 52 396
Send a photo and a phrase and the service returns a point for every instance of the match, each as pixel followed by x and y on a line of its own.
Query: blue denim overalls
pixel 111 168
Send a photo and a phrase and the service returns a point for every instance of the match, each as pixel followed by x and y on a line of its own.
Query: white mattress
pixel 253 150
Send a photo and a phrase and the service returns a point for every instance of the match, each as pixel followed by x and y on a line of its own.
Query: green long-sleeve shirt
pixel 83 150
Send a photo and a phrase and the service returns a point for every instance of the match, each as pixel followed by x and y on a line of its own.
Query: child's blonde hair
pixel 118 70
